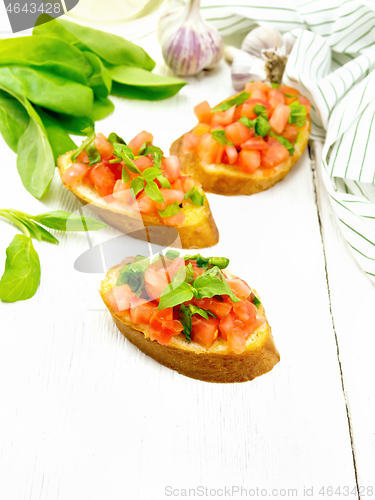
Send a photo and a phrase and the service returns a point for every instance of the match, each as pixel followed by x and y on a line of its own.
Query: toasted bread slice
pixel 198 230
pixel 228 180
pixel 214 364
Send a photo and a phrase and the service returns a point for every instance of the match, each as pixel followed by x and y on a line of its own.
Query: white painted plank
pixel 353 298
pixel 88 416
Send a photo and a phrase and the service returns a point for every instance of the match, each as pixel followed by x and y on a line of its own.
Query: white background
pixel 84 415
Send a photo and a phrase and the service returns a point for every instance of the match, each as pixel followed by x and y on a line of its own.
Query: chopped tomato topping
pixel 251 86
pixel 255 143
pixel 204 331
pixel 170 196
pixel 249 160
pixel 143 162
pixel 238 133
pixel 155 282
pixel 248 107
pixel 145 204
pixel 275 97
pixel 209 150
pixel 174 220
pixel 290 132
pixel 276 154
pixel 156 330
pixel 258 94
pixel 118 298
pixel 203 112
pixel 246 311
pixel 305 102
pixel 122 193
pixel 288 90
pixel 190 142
pixel 232 154
pixel 104 147
pixel 177 264
pixel 138 141
pixel 75 173
pixel 171 168
pixel 279 119
pixel 224 117
pixel 141 310
pixel 103 179
pixel 239 287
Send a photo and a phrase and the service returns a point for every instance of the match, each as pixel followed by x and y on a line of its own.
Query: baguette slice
pixel 214 364
pixel 227 179
pixel 198 230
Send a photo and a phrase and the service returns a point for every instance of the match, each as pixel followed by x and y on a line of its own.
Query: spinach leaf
pixel 136 83
pixel 100 109
pixel 74 124
pixel 48 54
pixel 48 90
pixel 22 270
pixel 175 293
pixel 100 80
pixel 238 100
pixel 13 120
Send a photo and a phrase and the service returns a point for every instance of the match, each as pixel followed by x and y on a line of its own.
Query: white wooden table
pixel 85 415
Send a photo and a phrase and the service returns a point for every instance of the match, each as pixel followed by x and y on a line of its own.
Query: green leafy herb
pixel 284 142
pixel 125 176
pixel 297 114
pixel 202 262
pixel 275 85
pixel 246 121
pixel 90 138
pixel 149 174
pixel 172 254
pixel 238 100
pixel 196 197
pixel 14 120
pixel 93 153
pixel 262 127
pixel 137 184
pixel 113 138
pixel 153 192
pixel 147 149
pixel 211 283
pixel 133 274
pixel 185 314
pixel 164 182
pixel 185 273
pixel 170 210
pixel 221 137
pixel 290 95
pixel 257 302
pixel 261 111
pixel 175 293
pixel 100 80
pixel 221 262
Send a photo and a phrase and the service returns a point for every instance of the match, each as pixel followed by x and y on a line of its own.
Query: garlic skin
pixel 188 44
pixel 263 56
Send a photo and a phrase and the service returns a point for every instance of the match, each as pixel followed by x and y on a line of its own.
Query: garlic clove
pixel 260 39
pixel 188 43
pixel 246 68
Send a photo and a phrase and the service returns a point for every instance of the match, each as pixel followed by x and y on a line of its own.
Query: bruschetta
pixel 135 188
pixel 192 315
pixel 247 143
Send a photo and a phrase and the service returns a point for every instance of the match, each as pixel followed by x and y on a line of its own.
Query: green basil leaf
pixel 185 318
pixel 147 149
pixel 284 142
pixel 22 270
pixel 157 160
pixel 197 310
pixel 170 210
pixel 172 254
pixel 246 121
pixel 153 192
pixel 90 137
pixel 130 165
pixel 211 283
pixel 297 114
pixel 149 174
pixel 125 176
pixel 261 111
pixel 115 160
pixel 196 197
pixel 13 120
pixel 37 232
pixel 133 274
pixel 212 314
pixel 175 293
pixel 238 100
pixel 113 137
pixel 185 273
pixel 221 137
pixel 164 182
pixel 93 153
pixel 262 127
pixel 220 262
pixel 257 302
pixel 137 185
pixel 65 221
pixel 120 150
pixel 202 262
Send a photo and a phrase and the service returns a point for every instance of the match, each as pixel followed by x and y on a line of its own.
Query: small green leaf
pixel 133 168
pixel 174 294
pixel 202 262
pixel 147 149
pixel 164 182
pixel 221 262
pixel 137 185
pixel 120 150
pixel 93 153
pixel 197 310
pixel 246 121
pixel 284 142
pixel 290 95
pixel 22 270
pixel 221 137
pixel 132 274
pixel 211 283
pixel 261 111
pixel 170 210
pixel 257 302
pixel 262 127
pixel 113 137
pixel 172 254
pixel 152 190
pixel 238 100
pixel 65 221
pixel 36 231
pixel 275 85
pixel 185 318
pixel 149 174
pixel 125 176
pixel 90 137
pixel 297 114
pixel 196 197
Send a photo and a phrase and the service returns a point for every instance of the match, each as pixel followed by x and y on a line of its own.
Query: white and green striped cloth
pixel 333 64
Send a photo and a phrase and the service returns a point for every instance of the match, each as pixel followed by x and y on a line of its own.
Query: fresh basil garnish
pixel 90 137
pixel 260 110
pixel 262 127
pixel 125 176
pixel 175 293
pixel 284 142
pixel 113 138
pixel 257 302
pixel 170 210
pixel 133 274
pixel 246 121
pixel 275 85
pixel 185 314
pixel 297 114
pixel 221 137
pixel 238 100
pixel 164 182
pixel 93 154
pixel 196 197
pixel 137 185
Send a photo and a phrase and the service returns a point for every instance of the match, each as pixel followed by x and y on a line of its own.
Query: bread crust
pixel 216 364
pixel 228 180
pixel 198 230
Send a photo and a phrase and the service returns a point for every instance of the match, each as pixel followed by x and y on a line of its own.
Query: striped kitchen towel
pixel 333 64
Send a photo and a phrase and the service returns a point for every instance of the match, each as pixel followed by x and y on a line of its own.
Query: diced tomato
pixel 238 133
pixel 258 94
pixel 103 179
pixel 233 331
pixel 255 143
pixel 141 310
pixel 226 324
pixel 104 147
pixel 276 154
pixel 275 97
pixel 203 112
pixel 248 107
pixel 174 220
pixel 155 282
pixel 248 160
pixel 171 168
pixel 224 117
pixel 86 179
pixel 177 264
pixel 197 271
pixel 122 193
pixel 190 142
pixel 145 204
pixel 280 118
pixel 220 309
pixel 232 154
pixel 118 298
pixel 254 326
pixel 204 331
pixel 75 173
pixel 156 326
pixel 170 196
pixel 246 311
pixel 290 132
pixel 239 287
pixel 139 140
pixel 201 128
pixel 251 86
pixel 288 90
pixel 187 183
pixel 174 326
pixel 83 157
pixel 143 162
pixel 209 149
pixel 305 102
pixel 237 114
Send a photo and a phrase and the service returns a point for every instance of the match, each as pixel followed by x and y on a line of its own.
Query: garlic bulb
pixel 263 56
pixel 188 44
